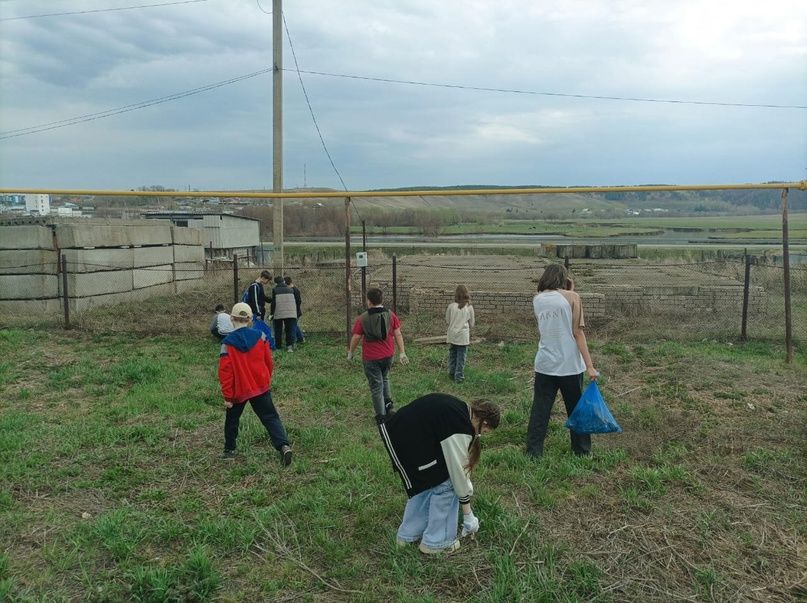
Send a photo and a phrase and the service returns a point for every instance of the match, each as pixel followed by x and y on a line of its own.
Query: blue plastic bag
pixel 260 325
pixel 591 415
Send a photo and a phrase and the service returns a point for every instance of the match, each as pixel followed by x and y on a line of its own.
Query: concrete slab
pixel 189 271
pixel 26 237
pixel 181 235
pixel 153 233
pixel 91 235
pixel 155 275
pixel 152 256
pixel 27 307
pixel 85 284
pixel 189 253
pixel 28 286
pixel 28 261
pixel 97 260
pixel 82 304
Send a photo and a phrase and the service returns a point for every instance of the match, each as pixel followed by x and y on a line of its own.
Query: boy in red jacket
pixel 245 375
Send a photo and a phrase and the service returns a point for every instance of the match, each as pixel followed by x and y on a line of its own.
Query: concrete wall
pixel 107 263
pixel 489 305
pixel 599 303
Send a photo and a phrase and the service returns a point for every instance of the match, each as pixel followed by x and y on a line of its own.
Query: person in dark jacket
pixel 256 296
pixel 284 313
pixel 434 444
pixel 245 375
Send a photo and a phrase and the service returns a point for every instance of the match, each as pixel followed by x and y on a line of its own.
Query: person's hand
pixel 592 373
pixel 403 358
pixel 349 356
pixel 228 404
pixel 470 524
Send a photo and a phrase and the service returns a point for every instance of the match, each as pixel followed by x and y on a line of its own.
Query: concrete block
pixel 82 304
pixel 28 236
pixel 77 235
pixel 155 275
pixel 27 307
pixel 156 232
pixel 186 236
pixel 28 261
pixel 28 286
pixel 189 253
pixel 152 256
pixel 84 284
pixel 186 271
pixel 97 260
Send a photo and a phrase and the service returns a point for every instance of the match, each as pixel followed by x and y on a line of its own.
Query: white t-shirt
pixel 558 313
pixel 460 321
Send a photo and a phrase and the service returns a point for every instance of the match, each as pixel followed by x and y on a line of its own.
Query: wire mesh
pixel 629 299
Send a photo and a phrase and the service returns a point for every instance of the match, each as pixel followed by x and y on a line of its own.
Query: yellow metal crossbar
pixel 407 193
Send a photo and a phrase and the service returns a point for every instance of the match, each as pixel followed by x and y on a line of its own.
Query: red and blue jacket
pixel 245 365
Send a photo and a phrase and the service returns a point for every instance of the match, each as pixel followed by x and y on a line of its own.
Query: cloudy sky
pixel 54 69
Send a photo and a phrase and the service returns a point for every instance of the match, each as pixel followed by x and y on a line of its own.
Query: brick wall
pixel 600 302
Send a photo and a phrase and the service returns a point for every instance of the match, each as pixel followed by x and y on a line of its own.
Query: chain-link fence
pixel 629 299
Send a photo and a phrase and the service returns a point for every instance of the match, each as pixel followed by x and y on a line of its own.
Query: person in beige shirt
pixel 460 320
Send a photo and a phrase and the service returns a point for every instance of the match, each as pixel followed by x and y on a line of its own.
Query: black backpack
pixel 376 324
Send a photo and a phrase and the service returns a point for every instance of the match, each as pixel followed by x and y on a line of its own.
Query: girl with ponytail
pixel 434 443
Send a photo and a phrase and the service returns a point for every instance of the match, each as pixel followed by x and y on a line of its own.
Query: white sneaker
pixel 427 550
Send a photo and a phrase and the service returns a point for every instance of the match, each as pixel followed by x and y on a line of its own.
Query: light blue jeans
pixel 431 517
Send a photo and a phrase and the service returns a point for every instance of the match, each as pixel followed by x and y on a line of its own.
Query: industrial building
pixel 223 234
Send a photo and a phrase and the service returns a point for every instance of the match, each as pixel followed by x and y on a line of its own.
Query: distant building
pixel 223 234
pixel 13 199
pixel 37 204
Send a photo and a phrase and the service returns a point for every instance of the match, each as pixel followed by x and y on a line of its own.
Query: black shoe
pixel 228 455
pixel 285 455
pixel 388 406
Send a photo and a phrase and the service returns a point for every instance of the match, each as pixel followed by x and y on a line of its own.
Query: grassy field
pixel 715 227
pixel 111 488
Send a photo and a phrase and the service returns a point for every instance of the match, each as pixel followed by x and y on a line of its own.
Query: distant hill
pixel 686 202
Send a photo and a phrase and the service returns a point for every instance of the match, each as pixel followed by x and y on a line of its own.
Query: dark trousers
pixel 377 373
pixel 288 324
pixel 267 413
pixel 544 393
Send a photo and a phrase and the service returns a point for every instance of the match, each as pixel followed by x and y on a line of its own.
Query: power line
pixel 101 10
pixel 310 108
pixel 263 10
pixel 559 94
pixel 127 108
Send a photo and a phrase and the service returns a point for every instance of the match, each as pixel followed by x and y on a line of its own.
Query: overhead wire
pixel 127 108
pixel 101 10
pixel 313 116
pixel 143 104
pixel 557 94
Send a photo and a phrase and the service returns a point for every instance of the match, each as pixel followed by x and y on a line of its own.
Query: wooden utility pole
pixel 277 133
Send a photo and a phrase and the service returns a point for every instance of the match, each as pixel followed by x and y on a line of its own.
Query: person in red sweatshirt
pixel 245 375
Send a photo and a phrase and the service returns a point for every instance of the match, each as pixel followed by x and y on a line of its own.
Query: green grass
pixel 111 487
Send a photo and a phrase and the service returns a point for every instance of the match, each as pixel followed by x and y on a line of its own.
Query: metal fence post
pixel 395 283
pixel 347 269
pixel 566 262
pixel 65 297
pixel 786 266
pixel 746 290
pixel 364 268
pixel 235 278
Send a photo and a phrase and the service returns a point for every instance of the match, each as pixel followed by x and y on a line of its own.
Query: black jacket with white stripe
pixel 428 442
